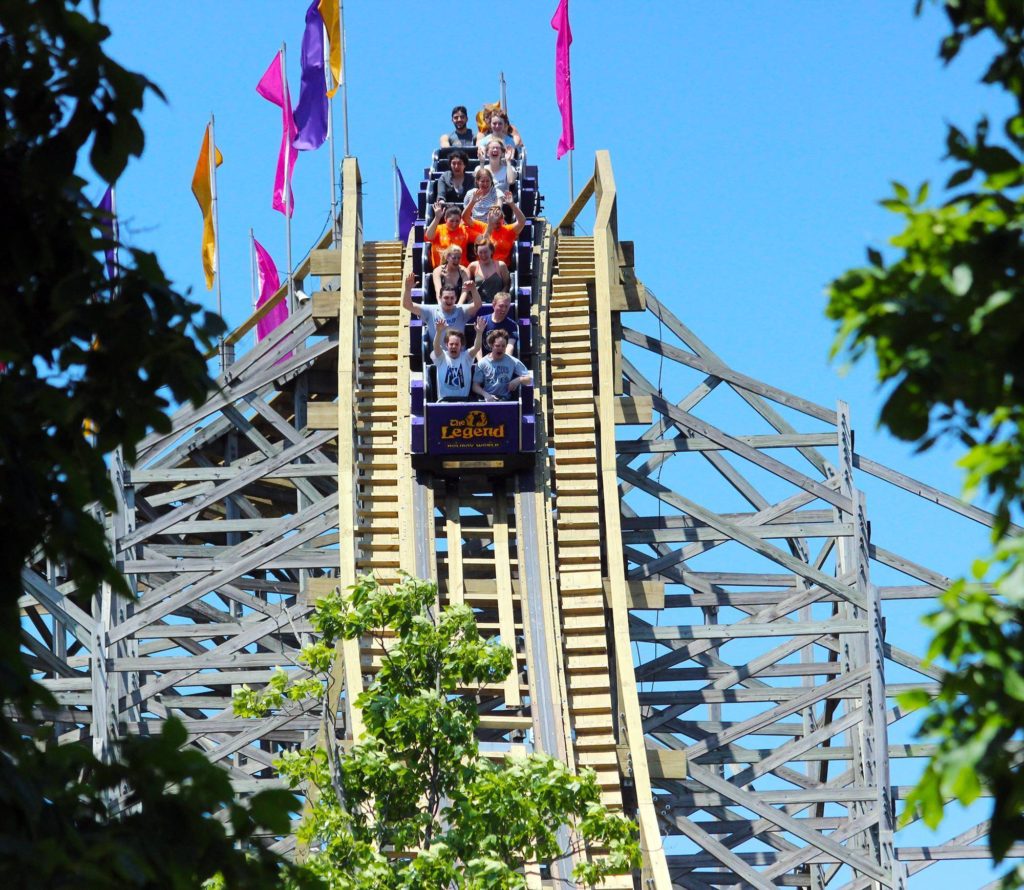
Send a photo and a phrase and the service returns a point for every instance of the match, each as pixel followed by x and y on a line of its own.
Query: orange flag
pixel 332 22
pixel 202 188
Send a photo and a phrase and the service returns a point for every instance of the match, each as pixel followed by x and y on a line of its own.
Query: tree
pixel 76 347
pixel 413 804
pixel 945 321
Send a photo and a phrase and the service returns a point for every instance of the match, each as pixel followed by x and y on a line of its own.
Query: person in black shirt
pixel 455 182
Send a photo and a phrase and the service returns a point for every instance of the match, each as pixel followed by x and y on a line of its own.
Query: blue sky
pixel 751 141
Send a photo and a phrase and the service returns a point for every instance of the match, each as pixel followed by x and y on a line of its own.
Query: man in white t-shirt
pixel 499 375
pixel 454 364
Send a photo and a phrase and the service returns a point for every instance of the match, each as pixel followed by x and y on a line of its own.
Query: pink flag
pixel 270 283
pixel 274 88
pixel 563 80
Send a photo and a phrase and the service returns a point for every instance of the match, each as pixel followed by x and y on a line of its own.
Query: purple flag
pixel 311 111
pixel 406 208
pixel 109 231
pixel 563 80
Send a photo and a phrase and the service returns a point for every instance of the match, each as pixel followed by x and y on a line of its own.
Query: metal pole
pixel 572 192
pixel 344 74
pixel 287 186
pixel 253 274
pixel 394 185
pixel 212 160
pixel 328 74
pixel 502 92
pixel 116 232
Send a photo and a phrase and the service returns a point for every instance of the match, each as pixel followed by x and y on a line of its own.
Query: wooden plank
pixel 606 278
pixel 503 579
pixel 633 410
pixel 453 535
pixel 682 444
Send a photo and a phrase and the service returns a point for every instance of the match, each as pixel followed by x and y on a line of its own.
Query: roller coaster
pixel 710 639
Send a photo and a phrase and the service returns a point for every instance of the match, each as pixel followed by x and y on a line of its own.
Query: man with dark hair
pixel 447 311
pixel 498 375
pixel 461 135
pixel 454 365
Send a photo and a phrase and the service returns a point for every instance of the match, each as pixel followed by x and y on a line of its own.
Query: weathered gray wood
pixel 187 511
pixel 699 443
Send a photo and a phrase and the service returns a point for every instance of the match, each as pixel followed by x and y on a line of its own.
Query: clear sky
pixel 750 141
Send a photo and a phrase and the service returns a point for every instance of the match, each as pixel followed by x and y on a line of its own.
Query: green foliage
pixel 141 821
pixel 945 321
pixel 75 347
pixel 416 780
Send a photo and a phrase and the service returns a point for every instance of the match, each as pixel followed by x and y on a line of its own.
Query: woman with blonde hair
pixel 450 272
pixel 482 198
pixel 502 171
pixel 498 127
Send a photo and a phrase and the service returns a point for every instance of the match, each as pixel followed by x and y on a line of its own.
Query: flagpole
pixel 344 75
pixel 252 268
pixel 286 97
pixel 329 78
pixel 394 183
pixel 222 346
pixel 116 231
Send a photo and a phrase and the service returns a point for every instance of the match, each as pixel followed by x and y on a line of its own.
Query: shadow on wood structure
pixel 691 607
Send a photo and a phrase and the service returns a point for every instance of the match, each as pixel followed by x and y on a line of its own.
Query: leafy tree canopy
pixel 414 804
pixel 75 347
pixel 944 318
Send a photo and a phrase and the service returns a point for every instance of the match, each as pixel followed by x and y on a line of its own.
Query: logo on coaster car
pixel 475 425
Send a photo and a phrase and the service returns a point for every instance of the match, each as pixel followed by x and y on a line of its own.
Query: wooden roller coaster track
pixel 691 608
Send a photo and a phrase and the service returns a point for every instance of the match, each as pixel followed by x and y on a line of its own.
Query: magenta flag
pixel 274 88
pixel 270 283
pixel 563 79
pixel 311 110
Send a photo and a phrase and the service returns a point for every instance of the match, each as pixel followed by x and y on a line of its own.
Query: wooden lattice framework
pixel 693 608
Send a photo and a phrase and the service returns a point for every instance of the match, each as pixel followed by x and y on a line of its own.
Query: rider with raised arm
pixel 442 236
pixel 454 316
pixel 503 235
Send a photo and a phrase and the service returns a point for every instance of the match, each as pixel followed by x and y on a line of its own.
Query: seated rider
pixel 461 135
pixel 499 375
pixel 454 365
pixel 499 127
pixel 484 195
pixel 489 275
pixel 503 172
pixel 455 182
pixel 498 320
pixel 504 235
pixel 441 237
pixel 454 316
pixel 451 272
